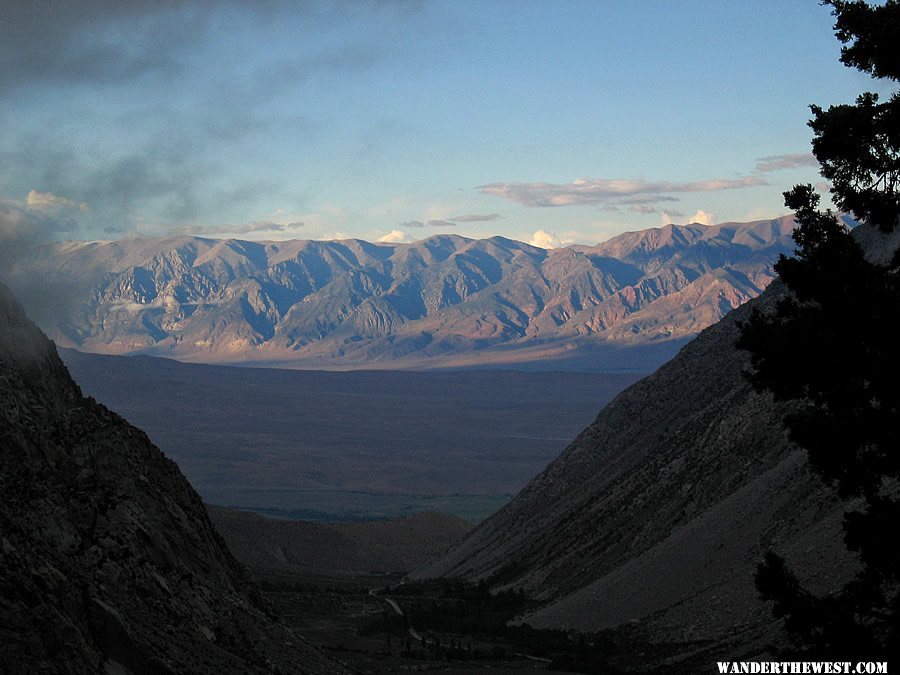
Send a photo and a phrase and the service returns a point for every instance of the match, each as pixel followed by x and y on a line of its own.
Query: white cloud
pixel 608 191
pixel 47 201
pixel 702 218
pixel 544 239
pixel 395 237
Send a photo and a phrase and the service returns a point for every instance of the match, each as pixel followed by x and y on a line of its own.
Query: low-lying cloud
pixel 608 191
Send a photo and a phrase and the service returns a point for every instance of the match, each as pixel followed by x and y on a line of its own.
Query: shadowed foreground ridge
pixel 106 552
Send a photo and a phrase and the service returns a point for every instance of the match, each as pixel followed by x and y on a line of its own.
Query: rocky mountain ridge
pixel 443 301
pixel 108 560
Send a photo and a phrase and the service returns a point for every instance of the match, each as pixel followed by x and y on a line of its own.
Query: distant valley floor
pixel 333 446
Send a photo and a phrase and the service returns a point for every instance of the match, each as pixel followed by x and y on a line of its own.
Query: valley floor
pixel 332 446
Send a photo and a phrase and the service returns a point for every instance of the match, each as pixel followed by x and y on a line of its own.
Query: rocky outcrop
pixel 443 301
pixel 107 556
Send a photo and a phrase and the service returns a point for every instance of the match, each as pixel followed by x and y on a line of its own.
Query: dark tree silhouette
pixel 831 350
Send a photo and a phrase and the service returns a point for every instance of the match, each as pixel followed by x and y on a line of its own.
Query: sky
pixel 550 122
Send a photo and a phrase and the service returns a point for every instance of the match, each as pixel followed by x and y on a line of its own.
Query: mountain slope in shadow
pixel 107 556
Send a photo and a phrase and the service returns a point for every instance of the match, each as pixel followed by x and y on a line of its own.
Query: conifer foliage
pixel 831 352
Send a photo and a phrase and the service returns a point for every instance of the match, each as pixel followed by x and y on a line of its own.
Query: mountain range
pixel 445 301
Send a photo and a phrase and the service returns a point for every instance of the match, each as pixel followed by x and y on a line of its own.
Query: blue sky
pixel 546 121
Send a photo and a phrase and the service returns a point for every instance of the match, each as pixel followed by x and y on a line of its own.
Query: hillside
pixel 107 556
pixel 655 517
pixel 445 301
